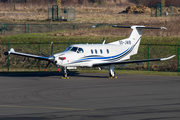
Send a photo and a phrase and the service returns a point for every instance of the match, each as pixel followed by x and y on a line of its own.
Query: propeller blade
pixel 43 54
pixel 51 48
pixel 47 66
pixel 56 67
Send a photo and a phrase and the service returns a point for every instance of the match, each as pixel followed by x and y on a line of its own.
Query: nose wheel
pixel 65 73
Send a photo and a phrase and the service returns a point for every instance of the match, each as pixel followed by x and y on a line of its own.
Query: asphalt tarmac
pixel 87 96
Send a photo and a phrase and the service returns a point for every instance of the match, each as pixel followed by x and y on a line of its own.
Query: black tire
pixel 68 72
pixel 110 75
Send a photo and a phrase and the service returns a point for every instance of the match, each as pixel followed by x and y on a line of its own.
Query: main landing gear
pixel 111 72
pixel 65 73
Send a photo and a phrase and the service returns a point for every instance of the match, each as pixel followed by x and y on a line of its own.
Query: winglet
pixel 163 28
pixel 11 50
pixel 168 57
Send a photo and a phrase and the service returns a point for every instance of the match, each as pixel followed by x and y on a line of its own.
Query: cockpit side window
pixel 74 49
pixel 80 50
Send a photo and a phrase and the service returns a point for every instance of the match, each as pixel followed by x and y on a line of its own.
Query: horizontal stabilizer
pixel 143 27
pixel 121 26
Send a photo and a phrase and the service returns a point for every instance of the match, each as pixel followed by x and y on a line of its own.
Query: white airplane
pixel 97 55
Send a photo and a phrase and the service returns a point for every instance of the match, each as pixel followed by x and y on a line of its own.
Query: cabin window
pixel 101 51
pixel 80 50
pixel 95 51
pixel 91 51
pixel 107 51
pixel 74 49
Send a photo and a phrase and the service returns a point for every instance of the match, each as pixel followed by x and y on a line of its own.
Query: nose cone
pixel 61 58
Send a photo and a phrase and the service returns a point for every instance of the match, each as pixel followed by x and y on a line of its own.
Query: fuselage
pixel 88 54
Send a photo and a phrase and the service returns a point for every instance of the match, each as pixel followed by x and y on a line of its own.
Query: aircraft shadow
pixel 32 74
pixel 47 74
pixel 92 76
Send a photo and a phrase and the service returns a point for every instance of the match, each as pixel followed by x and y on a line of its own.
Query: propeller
pixel 51 59
pixel 43 54
pixel 47 66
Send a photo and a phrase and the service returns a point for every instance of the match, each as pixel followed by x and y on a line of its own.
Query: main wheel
pixel 111 76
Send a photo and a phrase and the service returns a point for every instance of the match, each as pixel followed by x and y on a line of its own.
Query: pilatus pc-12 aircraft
pixel 97 55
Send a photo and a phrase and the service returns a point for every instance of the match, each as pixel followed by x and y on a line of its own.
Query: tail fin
pixel 134 38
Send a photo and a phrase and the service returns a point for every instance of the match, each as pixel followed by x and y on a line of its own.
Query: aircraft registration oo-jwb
pixel 97 55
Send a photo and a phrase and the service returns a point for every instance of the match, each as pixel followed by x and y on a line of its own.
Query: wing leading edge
pixel 28 55
pixel 132 61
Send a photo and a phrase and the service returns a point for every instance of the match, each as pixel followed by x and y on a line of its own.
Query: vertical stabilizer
pixel 135 37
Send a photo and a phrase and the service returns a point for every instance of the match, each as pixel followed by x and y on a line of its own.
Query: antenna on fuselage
pixel 104 42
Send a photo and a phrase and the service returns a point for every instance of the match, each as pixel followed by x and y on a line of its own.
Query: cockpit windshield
pixel 68 48
pixel 74 49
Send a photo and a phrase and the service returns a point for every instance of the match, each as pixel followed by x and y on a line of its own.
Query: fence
pixel 65 13
pixel 159 10
pixel 146 51
pixel 9 29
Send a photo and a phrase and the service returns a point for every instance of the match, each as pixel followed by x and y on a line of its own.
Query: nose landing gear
pixel 65 73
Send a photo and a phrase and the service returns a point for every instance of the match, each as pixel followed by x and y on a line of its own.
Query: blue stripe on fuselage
pixel 98 58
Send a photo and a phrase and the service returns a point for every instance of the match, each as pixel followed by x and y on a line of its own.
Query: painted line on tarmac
pixel 54 108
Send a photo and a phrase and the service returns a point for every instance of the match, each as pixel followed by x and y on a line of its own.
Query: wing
pixel 132 61
pixel 51 58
